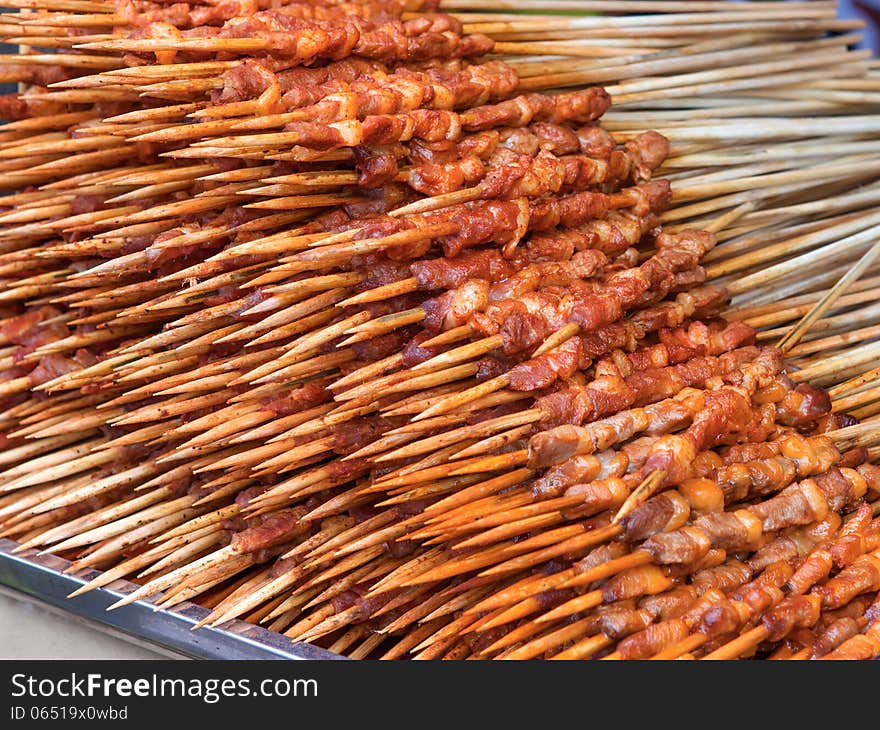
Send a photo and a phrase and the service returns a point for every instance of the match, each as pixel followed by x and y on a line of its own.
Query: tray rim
pixel 41 577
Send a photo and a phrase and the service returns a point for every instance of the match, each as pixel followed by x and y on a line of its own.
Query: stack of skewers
pixel 446 333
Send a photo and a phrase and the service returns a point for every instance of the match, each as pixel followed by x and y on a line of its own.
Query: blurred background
pixel 869 11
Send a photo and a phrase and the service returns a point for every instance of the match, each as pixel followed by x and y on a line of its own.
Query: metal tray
pixel 41 578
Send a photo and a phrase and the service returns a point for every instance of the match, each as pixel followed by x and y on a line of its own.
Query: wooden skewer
pixel 733 649
pixel 822 306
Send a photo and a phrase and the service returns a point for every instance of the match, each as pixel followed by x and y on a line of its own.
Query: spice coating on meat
pixel 275 529
pixel 653 639
pixel 862 576
pixel 793 612
pixel 684 546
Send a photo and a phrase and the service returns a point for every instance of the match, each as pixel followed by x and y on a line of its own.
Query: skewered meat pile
pixel 320 315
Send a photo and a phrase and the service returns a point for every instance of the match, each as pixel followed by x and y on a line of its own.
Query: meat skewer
pixel 864 645
pixel 736 481
pixel 804 610
pixel 594 311
pixel 588 539
pixel 486 625
pixel 385 242
pixel 694 541
pixel 428 125
pixel 691 605
pixel 568 543
pixel 333 93
pixel 817 562
pixel 301 40
pixel 610 390
pixel 513 164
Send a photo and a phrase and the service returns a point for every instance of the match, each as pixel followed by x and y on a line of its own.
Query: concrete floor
pixel 32 631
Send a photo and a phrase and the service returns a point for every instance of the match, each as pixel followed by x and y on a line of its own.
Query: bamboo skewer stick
pixel 791 339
